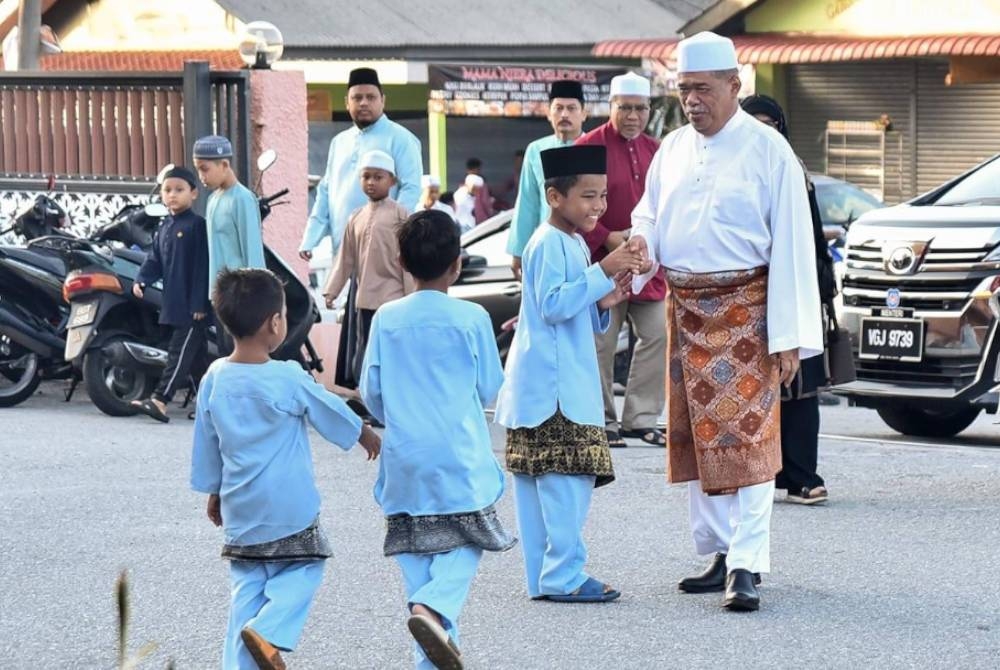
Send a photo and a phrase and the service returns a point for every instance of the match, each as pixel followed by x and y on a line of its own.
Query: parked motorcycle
pixel 114 338
pixel 33 314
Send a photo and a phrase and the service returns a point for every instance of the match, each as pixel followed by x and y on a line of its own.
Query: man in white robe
pixel 465 201
pixel 725 212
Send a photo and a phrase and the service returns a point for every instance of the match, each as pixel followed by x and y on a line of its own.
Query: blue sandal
pixel 592 591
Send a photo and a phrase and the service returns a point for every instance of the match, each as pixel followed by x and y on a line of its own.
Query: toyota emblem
pixel 901 260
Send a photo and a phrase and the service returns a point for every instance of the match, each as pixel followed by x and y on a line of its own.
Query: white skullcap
pixel 473 181
pixel 706 52
pixel 429 180
pixel 630 84
pixel 378 159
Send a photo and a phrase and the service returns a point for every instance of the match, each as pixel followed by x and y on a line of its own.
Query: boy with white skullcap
pixel 370 254
pixel 430 196
pixel 465 201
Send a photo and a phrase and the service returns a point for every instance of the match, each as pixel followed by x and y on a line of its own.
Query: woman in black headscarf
pixel 800 402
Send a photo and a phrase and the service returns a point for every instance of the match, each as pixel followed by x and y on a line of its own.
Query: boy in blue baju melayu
pixel 551 402
pixel 251 455
pixel 431 368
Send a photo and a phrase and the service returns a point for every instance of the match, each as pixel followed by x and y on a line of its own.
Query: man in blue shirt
pixel 566 114
pixel 339 191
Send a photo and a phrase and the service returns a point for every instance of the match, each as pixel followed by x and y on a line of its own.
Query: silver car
pixel 920 301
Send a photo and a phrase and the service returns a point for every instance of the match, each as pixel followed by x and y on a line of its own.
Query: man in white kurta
pixel 725 212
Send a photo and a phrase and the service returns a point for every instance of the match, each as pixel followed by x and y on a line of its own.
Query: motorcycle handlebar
pixel 271 198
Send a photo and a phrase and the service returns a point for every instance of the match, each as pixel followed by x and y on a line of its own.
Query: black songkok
pixel 575 160
pixel 363 75
pixel 566 88
pixel 181 172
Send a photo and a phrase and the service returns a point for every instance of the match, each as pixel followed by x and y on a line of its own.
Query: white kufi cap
pixel 429 180
pixel 378 159
pixel 473 181
pixel 706 52
pixel 630 84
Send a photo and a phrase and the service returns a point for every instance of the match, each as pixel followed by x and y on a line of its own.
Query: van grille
pixel 942 282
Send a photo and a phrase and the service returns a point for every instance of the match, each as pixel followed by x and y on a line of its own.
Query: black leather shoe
pixel 712 580
pixel 741 593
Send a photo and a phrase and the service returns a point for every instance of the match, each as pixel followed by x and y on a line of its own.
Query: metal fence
pixel 104 136
pixel 116 126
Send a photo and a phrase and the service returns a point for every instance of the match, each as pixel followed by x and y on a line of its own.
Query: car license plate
pixel 82 314
pixel 893 339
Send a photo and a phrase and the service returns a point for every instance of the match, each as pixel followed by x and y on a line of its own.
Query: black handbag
pixel 839 354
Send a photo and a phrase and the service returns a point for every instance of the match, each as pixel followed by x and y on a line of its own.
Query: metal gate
pixel 957 126
pixel 818 93
pixel 105 136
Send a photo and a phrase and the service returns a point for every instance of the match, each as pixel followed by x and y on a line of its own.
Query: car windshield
pixel 840 202
pixel 982 187
pixel 493 247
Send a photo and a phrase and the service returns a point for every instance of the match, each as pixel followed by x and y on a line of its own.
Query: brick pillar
pixel 278 121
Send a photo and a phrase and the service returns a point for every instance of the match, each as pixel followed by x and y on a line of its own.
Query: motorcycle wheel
pixel 113 388
pixel 19 372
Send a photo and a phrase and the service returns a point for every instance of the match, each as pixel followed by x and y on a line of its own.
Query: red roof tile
pixel 783 48
pixel 138 61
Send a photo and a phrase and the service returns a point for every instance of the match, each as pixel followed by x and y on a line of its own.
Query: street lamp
pixel 261 45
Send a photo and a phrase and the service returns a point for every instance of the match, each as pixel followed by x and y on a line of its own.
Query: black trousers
pixel 186 360
pixel 799 444
pixel 354 330
pixel 365 317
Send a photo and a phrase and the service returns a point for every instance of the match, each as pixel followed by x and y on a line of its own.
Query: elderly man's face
pixel 365 104
pixel 629 114
pixel 709 99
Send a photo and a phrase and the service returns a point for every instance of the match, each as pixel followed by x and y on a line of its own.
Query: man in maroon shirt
pixel 629 154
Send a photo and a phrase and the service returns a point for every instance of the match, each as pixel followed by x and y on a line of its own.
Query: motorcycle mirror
pixel 266 159
pixel 157 210
pixel 162 174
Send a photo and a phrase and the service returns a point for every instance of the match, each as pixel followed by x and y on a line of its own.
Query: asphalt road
pixel 898 571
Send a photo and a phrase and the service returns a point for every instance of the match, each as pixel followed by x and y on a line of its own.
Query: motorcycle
pixel 33 313
pixel 114 338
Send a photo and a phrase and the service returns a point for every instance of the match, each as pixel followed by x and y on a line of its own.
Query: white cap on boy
pixel 378 159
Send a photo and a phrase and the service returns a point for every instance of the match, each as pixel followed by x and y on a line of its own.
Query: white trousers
pixel 738 525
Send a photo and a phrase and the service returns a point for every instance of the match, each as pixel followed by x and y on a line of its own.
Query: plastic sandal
pixel 592 591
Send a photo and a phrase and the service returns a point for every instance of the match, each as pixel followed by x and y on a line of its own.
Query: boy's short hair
pixel 562 184
pixel 429 242
pixel 473 164
pixel 245 299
